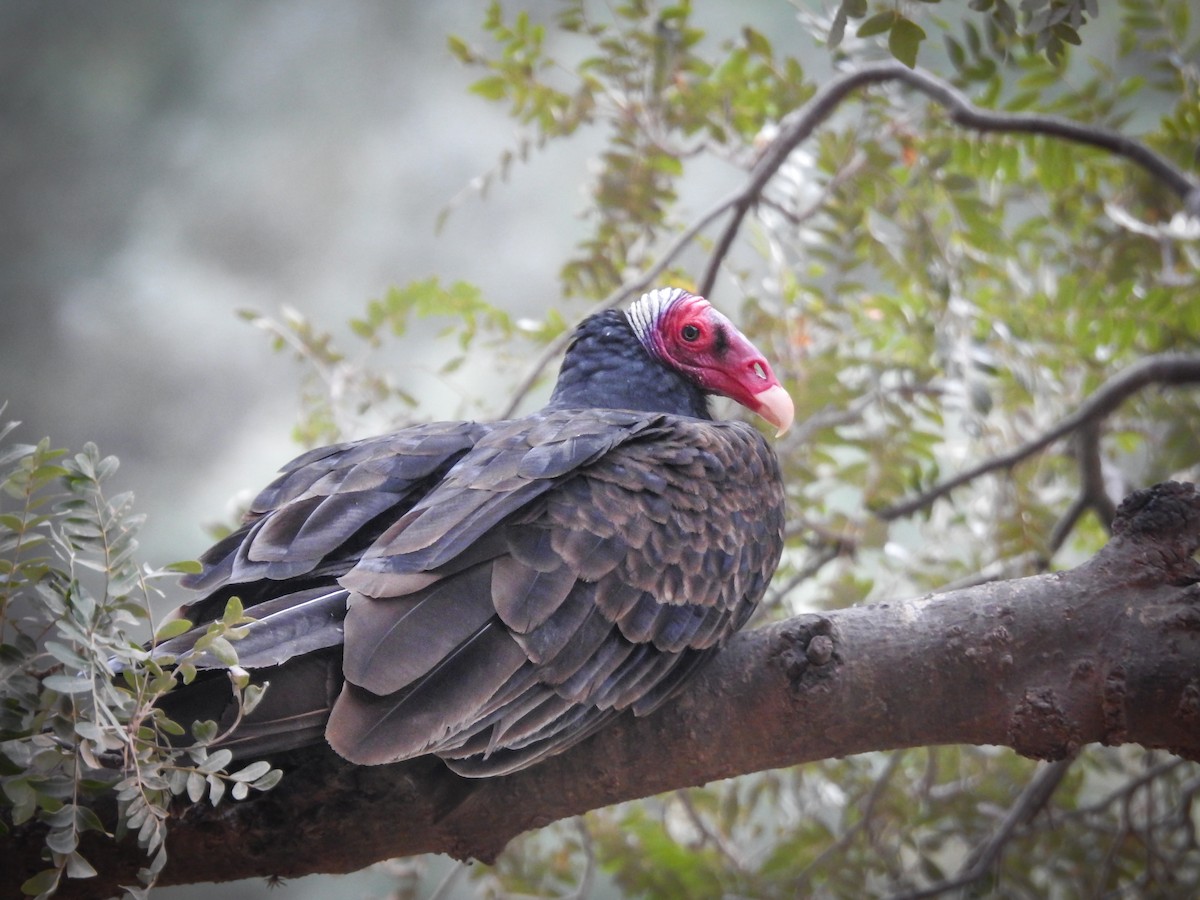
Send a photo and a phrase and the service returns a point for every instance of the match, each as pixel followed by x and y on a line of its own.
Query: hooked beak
pixel 775 405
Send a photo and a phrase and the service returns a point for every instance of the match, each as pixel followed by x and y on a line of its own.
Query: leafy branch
pixel 803 123
pixel 78 722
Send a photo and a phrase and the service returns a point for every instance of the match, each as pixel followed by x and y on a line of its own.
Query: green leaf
pixel 216 789
pixel 268 781
pixel 23 797
pixel 362 329
pixel 196 785
pixel 43 882
pixel 204 731
pixel 905 41
pixel 877 24
pixel 172 628
pixel 460 49
pixel 78 867
pixel 67 684
pixel 1065 32
pixel 837 28
pixel 252 696
pixel 954 49
pixel 756 42
pixel 62 840
pixel 217 761
pixel 234 611
pixel 252 772
pixel 223 650
pixel 494 87
pixel 87 820
pixel 67 655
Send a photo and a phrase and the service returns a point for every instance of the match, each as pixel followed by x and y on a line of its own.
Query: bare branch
pixel 848 834
pixel 1092 492
pixel 1163 368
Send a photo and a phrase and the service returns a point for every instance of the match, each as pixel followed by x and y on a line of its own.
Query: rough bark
pixel 1108 652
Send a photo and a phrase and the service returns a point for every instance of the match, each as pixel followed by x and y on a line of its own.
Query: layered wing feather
pixel 559 574
pixel 301 533
pixel 308 526
pixel 489 593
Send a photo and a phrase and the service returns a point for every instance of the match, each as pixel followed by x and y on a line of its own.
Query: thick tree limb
pixel 1108 652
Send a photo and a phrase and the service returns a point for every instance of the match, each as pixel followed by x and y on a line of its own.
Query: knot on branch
pixel 809 646
pixel 1041 728
pixel 1156 531
pixel 1169 511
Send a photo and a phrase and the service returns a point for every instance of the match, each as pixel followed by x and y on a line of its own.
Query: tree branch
pixel 985 857
pixel 1104 653
pixel 848 834
pixel 1092 494
pixel 1163 368
pixel 799 126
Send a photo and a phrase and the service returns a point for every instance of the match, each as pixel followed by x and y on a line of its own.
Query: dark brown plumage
pixel 493 593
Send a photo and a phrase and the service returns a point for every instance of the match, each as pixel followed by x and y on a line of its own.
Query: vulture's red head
pixel 685 333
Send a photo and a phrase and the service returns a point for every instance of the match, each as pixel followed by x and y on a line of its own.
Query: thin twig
pixel 443 888
pixel 1091 474
pixel 823 554
pixel 709 835
pixel 1092 493
pixel 1126 790
pixel 997 570
pixel 1162 368
pixel 984 858
pixel 864 819
pixel 587 844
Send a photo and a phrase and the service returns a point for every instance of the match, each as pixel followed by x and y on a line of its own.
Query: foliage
pixel 932 297
pixel 921 289
pixel 77 721
pixel 344 393
pixel 920 284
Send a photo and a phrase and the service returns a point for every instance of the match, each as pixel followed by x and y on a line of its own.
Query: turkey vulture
pixel 493 593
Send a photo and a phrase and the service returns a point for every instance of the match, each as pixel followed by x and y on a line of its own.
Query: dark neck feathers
pixel 607 367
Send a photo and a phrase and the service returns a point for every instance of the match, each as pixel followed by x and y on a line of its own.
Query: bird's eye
pixel 689 332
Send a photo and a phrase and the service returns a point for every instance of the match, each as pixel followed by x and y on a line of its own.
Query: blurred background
pixel 165 164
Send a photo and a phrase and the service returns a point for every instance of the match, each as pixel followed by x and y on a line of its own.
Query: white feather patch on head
pixel 646 310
